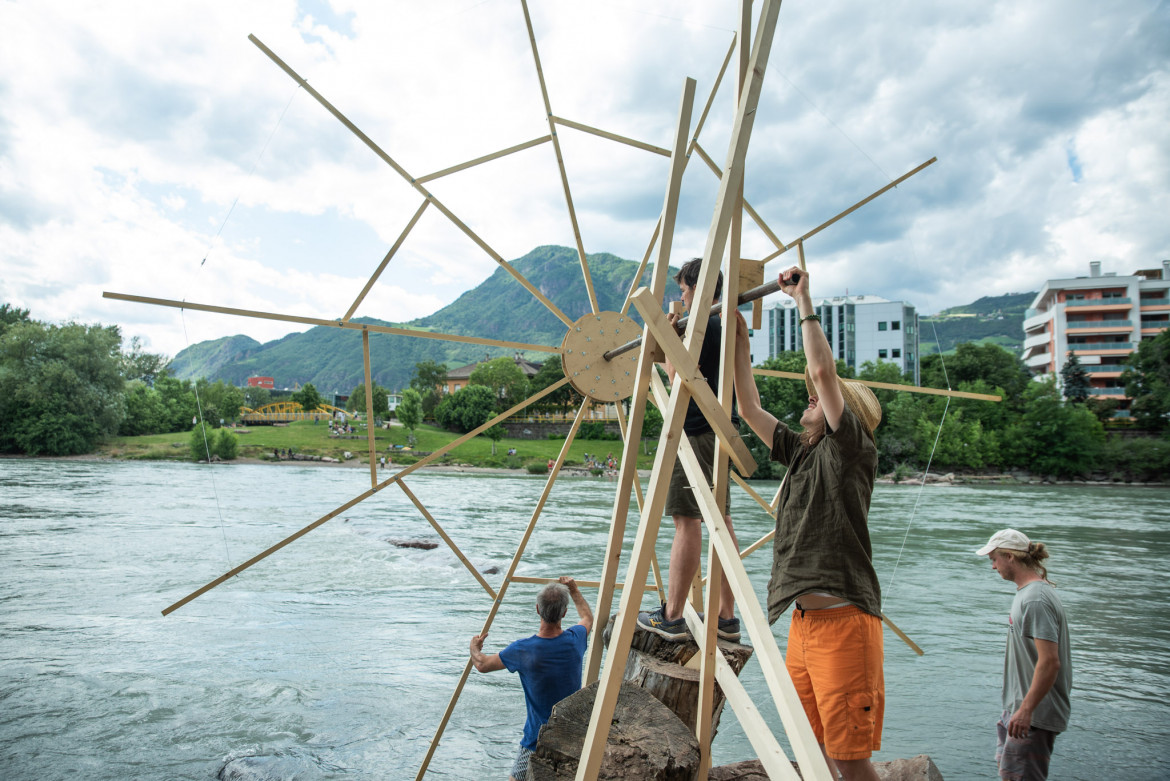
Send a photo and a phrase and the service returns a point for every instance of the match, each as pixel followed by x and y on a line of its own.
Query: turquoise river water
pixel 337 656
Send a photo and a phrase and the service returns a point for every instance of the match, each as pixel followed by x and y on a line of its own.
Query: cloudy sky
pixel 150 148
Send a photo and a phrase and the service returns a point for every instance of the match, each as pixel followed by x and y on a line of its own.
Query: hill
pixel 499 308
pixel 996 319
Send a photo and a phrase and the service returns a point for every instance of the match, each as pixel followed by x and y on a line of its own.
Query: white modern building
pixel 1101 318
pixel 859 329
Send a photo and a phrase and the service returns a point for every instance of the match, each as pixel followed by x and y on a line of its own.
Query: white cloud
pixel 127 132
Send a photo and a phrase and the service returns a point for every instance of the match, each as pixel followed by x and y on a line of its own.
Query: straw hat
pixel 858 398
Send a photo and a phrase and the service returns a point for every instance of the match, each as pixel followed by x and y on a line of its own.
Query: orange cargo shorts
pixel 835 660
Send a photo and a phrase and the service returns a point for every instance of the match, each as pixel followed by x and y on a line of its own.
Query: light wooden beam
pixel 382 266
pixel 851 209
pixel 372 328
pixel 687 371
pixel 509 577
pixel 446 538
pixel 369 409
pixel 628 472
pixel 413 181
pixel 485 159
pixel 552 129
pixel 889 386
pixel 611 136
pixel 365 495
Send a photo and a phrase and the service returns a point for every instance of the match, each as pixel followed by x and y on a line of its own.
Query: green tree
pixel 1075 379
pixel 410 411
pixel 467 409
pixel 145 411
pixel 495 434
pixel 357 400
pixel 137 364
pixel 430 378
pixel 551 373
pixel 226 444
pixel 1052 437
pixel 178 399
pixel 504 378
pixel 10 315
pixel 219 400
pixel 971 362
pixel 783 397
pixel 256 396
pixel 1147 382
pixel 201 442
pixel 308 397
pixel 61 387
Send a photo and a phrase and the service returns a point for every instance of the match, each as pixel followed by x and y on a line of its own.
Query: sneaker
pixel 729 629
pixel 655 621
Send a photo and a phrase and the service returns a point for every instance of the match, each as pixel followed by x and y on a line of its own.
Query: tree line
pixel 66 388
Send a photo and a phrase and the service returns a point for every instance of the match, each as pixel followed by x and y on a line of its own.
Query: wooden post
pixel 369 409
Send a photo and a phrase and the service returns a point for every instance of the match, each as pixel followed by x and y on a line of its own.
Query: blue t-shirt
pixel 550 670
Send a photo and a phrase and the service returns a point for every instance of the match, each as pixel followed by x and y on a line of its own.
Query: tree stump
pixel 646 741
pixel 658 665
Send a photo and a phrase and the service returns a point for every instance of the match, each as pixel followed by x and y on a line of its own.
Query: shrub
pixel 226 445
pixel 200 441
pixel 537 467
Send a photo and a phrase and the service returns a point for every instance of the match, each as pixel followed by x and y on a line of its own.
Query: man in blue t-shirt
pixel 549 662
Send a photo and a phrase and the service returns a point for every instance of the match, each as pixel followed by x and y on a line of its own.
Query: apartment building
pixel 859 329
pixel 1101 318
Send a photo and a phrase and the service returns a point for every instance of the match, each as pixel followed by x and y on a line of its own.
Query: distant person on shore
pixel 821 556
pixel 1037 668
pixel 549 662
pixel 681 505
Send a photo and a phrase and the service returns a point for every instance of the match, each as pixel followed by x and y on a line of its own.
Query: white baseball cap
pixel 1006 538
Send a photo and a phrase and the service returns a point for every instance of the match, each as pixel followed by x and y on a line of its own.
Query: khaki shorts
pixel 680 499
pixel 835 660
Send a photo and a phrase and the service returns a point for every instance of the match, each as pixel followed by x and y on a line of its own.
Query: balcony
pixel 1106 369
pixel 1106 391
pixel 1097 348
pixel 1098 324
pixel 1037 340
pixel 1098 302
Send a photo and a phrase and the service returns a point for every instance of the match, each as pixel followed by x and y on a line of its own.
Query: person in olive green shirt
pixel 822 558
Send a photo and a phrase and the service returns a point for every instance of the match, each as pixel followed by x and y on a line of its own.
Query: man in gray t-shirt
pixel 1037 667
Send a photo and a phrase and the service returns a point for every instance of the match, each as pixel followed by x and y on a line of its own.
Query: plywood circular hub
pixel 583 351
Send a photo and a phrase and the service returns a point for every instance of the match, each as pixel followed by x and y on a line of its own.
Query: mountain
pixel 997 319
pixel 499 308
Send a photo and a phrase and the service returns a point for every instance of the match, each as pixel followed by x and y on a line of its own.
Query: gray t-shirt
pixel 1037 613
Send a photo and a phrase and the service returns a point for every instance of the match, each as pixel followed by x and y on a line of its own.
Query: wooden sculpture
pixel 608 357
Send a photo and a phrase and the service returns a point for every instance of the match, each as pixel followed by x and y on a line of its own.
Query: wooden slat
pixel 552 129
pixel 372 328
pixel 851 209
pixel 485 159
pixel 410 179
pixel 366 494
pixel 796 725
pixel 369 409
pixel 581 583
pixel 382 266
pixel 509 576
pixel 756 218
pixel 611 136
pixel 687 371
pixel 889 386
pixel 628 473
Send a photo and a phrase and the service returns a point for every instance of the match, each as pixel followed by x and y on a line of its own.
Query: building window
pixel 881 353
pixel 895 325
pixel 882 325
pixel 457 386
pixel 895 353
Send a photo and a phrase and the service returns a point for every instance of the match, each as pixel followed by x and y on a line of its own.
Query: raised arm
pixel 747 395
pixel 578 602
pixel 822 366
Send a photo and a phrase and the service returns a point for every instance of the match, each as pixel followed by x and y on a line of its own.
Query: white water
pixel 338 654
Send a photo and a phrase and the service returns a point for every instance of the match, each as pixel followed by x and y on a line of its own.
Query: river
pixel 336 656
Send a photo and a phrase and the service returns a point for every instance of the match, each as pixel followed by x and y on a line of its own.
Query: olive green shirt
pixel 822 531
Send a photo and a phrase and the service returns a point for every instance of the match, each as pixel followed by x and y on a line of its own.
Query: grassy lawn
pixel 314 439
